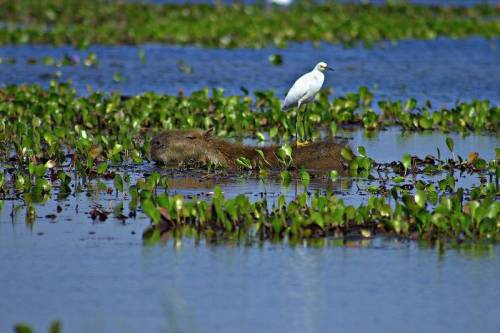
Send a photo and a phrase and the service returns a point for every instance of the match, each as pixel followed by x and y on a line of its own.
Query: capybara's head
pixel 180 147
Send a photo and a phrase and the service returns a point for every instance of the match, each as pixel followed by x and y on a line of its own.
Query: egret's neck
pixel 319 74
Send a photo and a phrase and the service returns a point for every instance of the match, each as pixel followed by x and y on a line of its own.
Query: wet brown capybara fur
pixel 188 147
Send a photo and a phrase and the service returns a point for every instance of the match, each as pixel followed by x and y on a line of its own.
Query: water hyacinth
pixel 29 21
pixel 114 127
pixel 410 216
pixel 57 143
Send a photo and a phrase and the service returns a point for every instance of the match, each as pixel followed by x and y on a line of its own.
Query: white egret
pixel 304 90
pixel 281 2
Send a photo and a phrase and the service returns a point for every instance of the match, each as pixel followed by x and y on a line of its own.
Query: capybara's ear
pixel 208 133
pixel 192 135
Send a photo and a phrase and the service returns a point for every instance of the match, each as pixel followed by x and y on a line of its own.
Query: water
pixel 100 277
pixel 391 145
pixel 383 147
pixel 442 70
pixel 110 282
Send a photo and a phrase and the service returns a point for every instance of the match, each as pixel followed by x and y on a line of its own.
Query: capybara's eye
pixel 156 142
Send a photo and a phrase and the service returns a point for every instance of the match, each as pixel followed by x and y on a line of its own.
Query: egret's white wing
pixel 299 89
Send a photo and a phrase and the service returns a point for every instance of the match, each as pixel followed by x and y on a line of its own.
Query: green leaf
pixel 102 167
pixel 43 184
pixel 118 182
pixel 333 128
pixel 398 179
pixel 22 328
pixel 362 151
pixel 276 59
pixel 394 193
pixel 406 162
pixel 150 210
pixel 164 182
pixel 410 104
pixel 244 163
pixel 286 177
pixel 55 327
pixel 450 144
pixel 420 198
pixel 433 197
pixel 451 182
pixel 305 177
pixel 118 209
pixel 347 154
pixel 273 132
pixel 287 150
pixel 218 195
pixel 425 123
pixel 410 203
pixel 261 154
pixel 179 202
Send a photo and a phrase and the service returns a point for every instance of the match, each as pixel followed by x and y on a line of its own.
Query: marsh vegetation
pixel 81 23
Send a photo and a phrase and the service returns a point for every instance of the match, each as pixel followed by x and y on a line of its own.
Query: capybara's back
pixel 321 155
pixel 190 147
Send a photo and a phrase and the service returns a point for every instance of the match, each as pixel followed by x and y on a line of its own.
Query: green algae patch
pixel 81 23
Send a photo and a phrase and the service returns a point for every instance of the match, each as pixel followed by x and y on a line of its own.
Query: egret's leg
pixel 297 123
pixel 297 126
pixel 304 119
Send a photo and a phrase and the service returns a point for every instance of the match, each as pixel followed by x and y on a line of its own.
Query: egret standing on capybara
pixel 188 147
pixel 303 91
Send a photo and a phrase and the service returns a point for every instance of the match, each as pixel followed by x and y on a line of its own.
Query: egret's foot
pixel 302 143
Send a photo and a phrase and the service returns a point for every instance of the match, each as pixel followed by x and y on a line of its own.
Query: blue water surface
pixel 443 71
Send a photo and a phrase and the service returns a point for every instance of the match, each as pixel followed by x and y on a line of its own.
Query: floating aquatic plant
pixel 56 143
pixel 410 216
pixel 117 22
